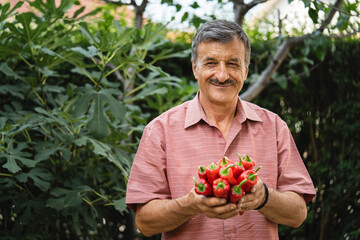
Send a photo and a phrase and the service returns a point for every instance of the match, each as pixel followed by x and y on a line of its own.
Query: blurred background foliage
pixel 76 93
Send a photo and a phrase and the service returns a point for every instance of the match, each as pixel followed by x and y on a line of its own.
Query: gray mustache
pixel 216 81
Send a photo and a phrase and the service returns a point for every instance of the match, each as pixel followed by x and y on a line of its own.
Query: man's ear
pixel 194 69
pixel 246 73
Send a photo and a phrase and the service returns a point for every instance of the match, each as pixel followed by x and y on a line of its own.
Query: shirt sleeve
pixel 148 179
pixel 292 174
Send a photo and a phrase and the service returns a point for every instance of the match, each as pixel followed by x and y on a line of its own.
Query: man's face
pixel 220 71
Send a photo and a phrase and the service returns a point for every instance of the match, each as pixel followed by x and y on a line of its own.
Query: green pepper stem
pixel 239 163
pixel 201 186
pixel 224 161
pixel 202 169
pixel 220 185
pixel 229 166
pixel 225 171
pixel 213 166
pixel 247 158
pixel 252 176
pixel 258 168
pixel 195 181
pixel 237 187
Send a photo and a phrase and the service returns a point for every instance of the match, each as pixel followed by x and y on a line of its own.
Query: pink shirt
pixel 174 144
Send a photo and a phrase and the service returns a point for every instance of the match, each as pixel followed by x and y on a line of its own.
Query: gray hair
pixel 221 31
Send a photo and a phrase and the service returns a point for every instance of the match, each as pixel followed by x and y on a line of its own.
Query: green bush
pixel 70 119
pixel 322 109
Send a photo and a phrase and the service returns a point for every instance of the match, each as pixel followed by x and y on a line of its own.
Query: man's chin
pixel 221 100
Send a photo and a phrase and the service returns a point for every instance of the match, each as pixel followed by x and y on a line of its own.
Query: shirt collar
pixel 246 112
pixel 195 112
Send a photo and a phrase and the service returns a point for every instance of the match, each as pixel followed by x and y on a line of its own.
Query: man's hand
pixel 212 207
pixel 252 199
pixel 287 208
pixel 171 213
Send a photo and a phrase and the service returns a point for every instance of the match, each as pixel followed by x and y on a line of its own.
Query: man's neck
pixel 220 115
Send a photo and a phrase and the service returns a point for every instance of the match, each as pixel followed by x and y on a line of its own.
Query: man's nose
pixel 222 73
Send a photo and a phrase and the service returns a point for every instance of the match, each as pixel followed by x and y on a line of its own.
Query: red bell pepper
pixel 224 162
pixel 212 173
pixel 226 172
pixel 202 187
pixel 247 162
pixel 221 188
pixel 252 178
pixel 237 192
pixel 239 168
pixel 202 172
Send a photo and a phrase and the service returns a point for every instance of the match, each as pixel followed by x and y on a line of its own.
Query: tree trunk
pixel 139 12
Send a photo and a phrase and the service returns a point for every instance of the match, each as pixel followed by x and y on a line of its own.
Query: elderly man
pixel 214 124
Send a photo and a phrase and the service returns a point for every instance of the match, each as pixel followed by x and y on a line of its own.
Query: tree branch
pixel 139 12
pixel 330 16
pixel 253 3
pixel 241 8
pixel 117 3
pixel 264 79
pixel 349 34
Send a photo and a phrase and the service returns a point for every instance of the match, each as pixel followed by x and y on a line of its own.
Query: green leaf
pixel 17 154
pixel 9 72
pixel 97 125
pixel 116 107
pixel 195 5
pixel 51 53
pixel 46 149
pixel 151 90
pixel 120 205
pixel 3 121
pixel 81 106
pixel 91 13
pixel 313 15
pixel 26 20
pixel 87 34
pixel 305 50
pixel 104 150
pixel 281 80
pixel 57 192
pixel 65 198
pixel 99 147
pixel 178 7
pixel 79 11
pixel 320 53
pixel 307 3
pixel 73 199
pixel 184 17
pixel 91 52
pixel 53 117
pixel 40 177
pixel 57 203
pixel 4 10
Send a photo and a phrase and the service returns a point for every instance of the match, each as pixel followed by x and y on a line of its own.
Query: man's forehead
pixel 215 50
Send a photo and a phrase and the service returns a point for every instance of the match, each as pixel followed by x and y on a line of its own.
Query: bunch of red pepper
pixel 227 179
